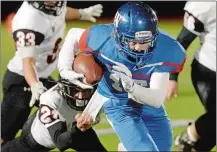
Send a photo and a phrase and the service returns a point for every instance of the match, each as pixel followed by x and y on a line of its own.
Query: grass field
pixel 185 107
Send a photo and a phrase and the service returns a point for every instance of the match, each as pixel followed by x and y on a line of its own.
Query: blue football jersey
pixel 99 40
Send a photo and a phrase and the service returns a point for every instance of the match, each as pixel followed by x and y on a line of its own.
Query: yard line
pixel 174 123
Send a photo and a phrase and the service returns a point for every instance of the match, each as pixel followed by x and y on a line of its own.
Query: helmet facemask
pixel 76 97
pixel 50 7
pixel 139 57
pixel 136 22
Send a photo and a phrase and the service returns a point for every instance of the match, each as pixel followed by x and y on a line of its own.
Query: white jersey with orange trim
pixel 205 12
pixel 38 35
pixel 53 108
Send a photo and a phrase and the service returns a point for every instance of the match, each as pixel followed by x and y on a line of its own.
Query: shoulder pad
pixel 51 98
pixel 200 10
pixel 169 52
pixel 97 35
pixel 33 20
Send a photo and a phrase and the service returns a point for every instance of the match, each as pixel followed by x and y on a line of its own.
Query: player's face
pixel 84 94
pixel 139 47
pixel 50 4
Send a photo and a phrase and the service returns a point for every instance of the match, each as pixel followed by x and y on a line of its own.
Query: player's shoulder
pixel 100 31
pixel 98 34
pixel 168 49
pixel 102 27
pixel 166 42
pixel 51 97
pixel 30 18
pixel 200 9
pixel 169 54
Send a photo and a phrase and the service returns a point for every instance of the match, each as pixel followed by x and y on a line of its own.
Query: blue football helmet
pixel 137 22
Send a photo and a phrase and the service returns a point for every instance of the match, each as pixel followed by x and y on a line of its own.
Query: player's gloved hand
pixel 37 89
pixel 91 12
pixel 73 77
pixel 123 73
pixel 172 89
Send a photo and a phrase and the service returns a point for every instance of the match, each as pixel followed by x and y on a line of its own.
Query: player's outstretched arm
pixel 88 14
pixel 66 57
pixel 32 79
pixel 27 42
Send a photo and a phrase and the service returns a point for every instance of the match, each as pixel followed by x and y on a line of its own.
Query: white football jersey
pixel 33 29
pixel 205 12
pixel 54 109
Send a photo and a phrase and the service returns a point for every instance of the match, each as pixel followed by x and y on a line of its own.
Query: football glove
pixel 123 73
pixel 91 12
pixel 74 77
pixel 37 89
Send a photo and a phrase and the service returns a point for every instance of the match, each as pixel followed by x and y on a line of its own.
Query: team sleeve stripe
pixel 180 68
pixel 83 46
pixel 171 64
pixel 83 40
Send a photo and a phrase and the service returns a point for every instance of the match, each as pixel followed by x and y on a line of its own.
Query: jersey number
pixel 23 39
pixel 51 58
pixel 47 115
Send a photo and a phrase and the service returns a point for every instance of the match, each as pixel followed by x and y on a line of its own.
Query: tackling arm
pixel 57 128
pixel 69 49
pixel 63 139
pixel 66 58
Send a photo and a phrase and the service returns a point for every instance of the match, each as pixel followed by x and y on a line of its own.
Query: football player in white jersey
pixel 38 29
pixel 199 20
pixel 54 123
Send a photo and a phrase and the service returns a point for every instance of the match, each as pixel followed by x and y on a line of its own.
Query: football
pixel 86 64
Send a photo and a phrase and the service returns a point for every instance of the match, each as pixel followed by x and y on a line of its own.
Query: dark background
pixel 163 9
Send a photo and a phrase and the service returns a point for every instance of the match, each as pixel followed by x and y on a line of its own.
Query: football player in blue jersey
pixel 137 58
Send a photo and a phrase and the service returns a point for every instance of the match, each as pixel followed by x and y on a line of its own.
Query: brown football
pixel 85 64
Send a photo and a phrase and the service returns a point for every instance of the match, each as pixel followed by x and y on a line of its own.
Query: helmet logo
pixel 143 34
pixel 118 18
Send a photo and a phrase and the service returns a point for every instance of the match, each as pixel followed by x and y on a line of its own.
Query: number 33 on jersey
pixel 37 36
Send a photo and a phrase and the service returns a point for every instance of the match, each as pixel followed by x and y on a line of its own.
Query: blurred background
pixel 181 110
pixel 163 8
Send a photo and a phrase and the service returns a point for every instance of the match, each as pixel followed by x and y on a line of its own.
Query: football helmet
pixel 50 7
pixel 137 22
pixel 76 97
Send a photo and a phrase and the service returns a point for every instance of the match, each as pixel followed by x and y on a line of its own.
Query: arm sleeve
pixel 27 42
pixel 155 95
pixel 69 49
pixel 61 136
pixel 191 29
pixel 57 128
